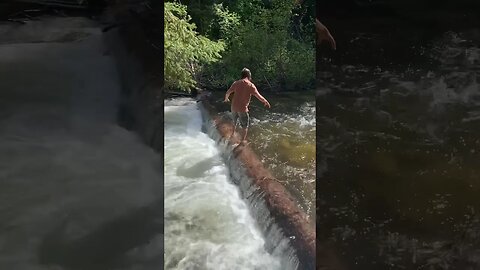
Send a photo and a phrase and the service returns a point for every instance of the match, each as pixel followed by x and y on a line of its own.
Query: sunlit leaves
pixel 185 50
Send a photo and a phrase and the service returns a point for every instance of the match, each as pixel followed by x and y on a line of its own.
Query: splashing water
pixel 284 139
pixel 76 190
pixel 207 224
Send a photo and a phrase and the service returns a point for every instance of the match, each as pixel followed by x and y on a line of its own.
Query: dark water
pixel 284 139
pixel 207 224
pixel 399 158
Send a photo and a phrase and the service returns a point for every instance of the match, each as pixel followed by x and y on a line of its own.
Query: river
pixel 77 191
pixel 399 153
pixel 284 139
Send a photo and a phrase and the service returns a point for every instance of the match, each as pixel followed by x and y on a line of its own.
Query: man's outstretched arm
pixel 261 98
pixel 228 93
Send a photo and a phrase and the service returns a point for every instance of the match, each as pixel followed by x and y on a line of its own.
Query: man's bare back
pixel 243 90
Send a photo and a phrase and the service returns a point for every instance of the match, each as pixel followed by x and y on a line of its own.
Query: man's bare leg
pixel 233 132
pixel 245 135
pixel 235 119
pixel 240 132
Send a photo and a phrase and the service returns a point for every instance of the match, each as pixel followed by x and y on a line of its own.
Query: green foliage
pixel 185 50
pixel 225 24
pixel 263 41
pixel 274 38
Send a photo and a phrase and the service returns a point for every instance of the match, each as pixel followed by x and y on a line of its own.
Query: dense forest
pixel 208 42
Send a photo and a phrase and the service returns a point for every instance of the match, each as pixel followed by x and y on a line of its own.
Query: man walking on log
pixel 243 90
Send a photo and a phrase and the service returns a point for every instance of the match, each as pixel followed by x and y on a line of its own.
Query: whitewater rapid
pixel 77 191
pixel 207 224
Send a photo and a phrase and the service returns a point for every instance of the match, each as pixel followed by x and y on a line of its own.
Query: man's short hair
pixel 246 73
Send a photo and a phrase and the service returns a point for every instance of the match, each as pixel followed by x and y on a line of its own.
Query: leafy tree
pixel 185 50
pixel 274 38
pixel 265 39
pixel 224 25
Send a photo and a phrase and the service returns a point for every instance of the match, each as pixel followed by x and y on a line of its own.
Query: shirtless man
pixel 243 90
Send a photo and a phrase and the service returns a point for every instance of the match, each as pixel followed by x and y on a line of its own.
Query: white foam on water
pixel 207 224
pixel 67 170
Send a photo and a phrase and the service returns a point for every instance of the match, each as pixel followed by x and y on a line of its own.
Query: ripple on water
pixel 401 161
pixel 284 139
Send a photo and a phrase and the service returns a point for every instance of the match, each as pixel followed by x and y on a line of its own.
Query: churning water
pixel 399 159
pixel 207 224
pixel 76 190
pixel 284 139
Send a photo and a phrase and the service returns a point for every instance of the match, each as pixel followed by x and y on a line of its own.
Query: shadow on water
pixel 106 246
